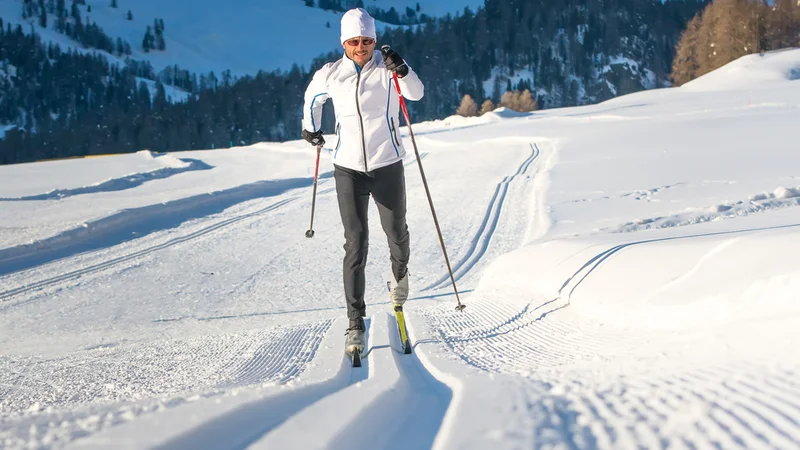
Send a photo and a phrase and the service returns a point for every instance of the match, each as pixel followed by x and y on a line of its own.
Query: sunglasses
pixel 354 42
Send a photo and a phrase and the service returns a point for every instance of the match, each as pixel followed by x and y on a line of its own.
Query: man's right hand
pixel 314 138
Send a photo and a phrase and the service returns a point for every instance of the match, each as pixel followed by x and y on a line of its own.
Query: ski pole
pixel 460 306
pixel 310 232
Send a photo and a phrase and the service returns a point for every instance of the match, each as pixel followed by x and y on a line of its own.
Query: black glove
pixel 394 62
pixel 314 138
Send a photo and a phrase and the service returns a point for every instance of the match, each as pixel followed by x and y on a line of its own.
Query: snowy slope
pixel 630 272
pixel 243 36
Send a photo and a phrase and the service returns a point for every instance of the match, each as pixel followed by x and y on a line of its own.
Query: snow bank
pixel 672 280
pixel 751 71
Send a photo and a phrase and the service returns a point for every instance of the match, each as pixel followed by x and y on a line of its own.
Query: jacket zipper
pixel 361 122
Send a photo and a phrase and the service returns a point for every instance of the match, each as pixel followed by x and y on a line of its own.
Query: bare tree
pixel 527 102
pixel 487 106
pixel 685 65
pixel 783 24
pixel 468 107
pixel 729 29
pixel 519 101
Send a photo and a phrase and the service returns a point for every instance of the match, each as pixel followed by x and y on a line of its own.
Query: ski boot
pixel 355 341
pixel 398 290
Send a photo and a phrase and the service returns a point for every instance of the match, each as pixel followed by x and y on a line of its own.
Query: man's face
pixel 359 49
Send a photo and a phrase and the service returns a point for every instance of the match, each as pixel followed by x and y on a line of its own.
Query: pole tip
pixel 460 307
pixel 310 233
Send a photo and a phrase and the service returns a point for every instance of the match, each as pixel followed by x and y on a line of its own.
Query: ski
pixel 401 326
pixel 355 358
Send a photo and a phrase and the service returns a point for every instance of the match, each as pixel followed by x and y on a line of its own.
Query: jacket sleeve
pixel 316 96
pixel 411 85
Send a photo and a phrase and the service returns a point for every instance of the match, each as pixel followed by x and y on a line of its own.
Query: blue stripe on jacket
pixel 314 125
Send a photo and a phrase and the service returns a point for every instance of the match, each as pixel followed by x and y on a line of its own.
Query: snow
pixel 502 74
pixel 173 94
pixel 4 128
pixel 629 268
pixel 755 71
pixel 244 36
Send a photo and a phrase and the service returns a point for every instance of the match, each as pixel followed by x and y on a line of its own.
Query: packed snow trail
pixel 399 406
pixel 484 236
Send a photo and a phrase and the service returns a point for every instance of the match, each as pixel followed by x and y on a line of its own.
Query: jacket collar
pixel 352 67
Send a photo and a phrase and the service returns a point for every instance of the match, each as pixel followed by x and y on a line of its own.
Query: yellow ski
pixel 401 325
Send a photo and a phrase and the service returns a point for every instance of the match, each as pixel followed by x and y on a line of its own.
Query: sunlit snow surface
pixel 630 270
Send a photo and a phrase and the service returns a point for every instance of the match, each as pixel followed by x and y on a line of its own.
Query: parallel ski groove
pixel 132 256
pixel 483 237
pixel 113 382
pixel 736 405
pixel 394 408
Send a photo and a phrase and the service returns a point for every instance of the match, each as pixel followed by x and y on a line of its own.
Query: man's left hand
pixel 395 63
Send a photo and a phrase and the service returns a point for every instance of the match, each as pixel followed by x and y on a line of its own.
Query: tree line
pixel 726 30
pixel 582 52
pixel 408 16
pixel 71 23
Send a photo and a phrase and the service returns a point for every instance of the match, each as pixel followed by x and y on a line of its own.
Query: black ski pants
pixel 388 188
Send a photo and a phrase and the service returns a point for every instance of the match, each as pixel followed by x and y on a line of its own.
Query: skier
pixel 367 156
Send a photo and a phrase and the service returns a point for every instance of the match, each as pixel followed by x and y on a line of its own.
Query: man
pixel 367 156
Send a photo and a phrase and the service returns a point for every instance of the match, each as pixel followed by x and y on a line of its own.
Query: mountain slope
pixel 243 36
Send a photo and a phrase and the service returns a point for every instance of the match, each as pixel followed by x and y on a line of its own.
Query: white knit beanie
pixel 357 22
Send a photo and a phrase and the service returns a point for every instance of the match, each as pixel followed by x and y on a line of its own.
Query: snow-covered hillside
pixel 243 36
pixel 629 268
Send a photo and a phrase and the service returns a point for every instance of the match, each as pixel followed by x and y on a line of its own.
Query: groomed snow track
pixel 391 402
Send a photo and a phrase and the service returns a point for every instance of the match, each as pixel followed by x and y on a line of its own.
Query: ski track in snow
pixel 389 395
pixel 128 224
pixel 72 242
pixel 717 404
pixel 107 264
pixel 88 391
pixel 398 395
pixel 592 264
pixel 483 237
pixel 112 399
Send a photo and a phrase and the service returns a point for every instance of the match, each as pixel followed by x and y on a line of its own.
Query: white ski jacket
pixel 367 108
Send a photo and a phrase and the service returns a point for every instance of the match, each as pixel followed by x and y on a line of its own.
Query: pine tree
pixel 130 15
pixel 147 42
pixel 468 107
pixel 43 19
pixel 61 14
pixel 114 4
pixel 158 25
pixel 77 27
